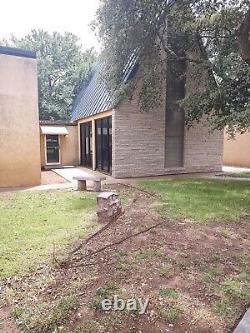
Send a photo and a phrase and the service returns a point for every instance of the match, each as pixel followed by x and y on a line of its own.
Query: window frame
pixel 59 150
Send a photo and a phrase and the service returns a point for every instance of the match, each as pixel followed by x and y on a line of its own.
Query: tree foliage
pixel 62 68
pixel 210 36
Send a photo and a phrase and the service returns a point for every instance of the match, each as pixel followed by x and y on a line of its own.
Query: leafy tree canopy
pixel 211 36
pixel 62 68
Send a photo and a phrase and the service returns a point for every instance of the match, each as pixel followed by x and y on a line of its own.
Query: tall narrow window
pixel 86 144
pixel 174 146
pixel 104 144
pixel 175 118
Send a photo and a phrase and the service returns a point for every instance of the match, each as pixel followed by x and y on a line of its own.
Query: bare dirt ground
pixel 180 266
pixel 50 177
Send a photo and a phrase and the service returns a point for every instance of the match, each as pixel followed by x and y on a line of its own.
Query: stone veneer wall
pixel 139 144
pixel 139 137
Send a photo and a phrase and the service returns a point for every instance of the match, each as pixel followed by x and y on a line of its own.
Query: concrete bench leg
pixel 97 187
pixel 81 185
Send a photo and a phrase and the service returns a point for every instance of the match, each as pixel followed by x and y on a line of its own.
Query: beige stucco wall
pixel 237 150
pixel 19 124
pixel 68 148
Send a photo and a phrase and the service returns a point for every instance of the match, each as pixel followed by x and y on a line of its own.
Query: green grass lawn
pixel 208 262
pixel 33 224
pixel 238 175
pixel 202 199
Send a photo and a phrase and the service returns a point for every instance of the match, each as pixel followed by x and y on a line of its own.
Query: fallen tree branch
pixel 119 242
pixel 154 195
pixel 98 232
pixel 65 262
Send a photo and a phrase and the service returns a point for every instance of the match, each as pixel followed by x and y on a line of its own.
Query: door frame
pixel 90 143
pixel 109 154
pixel 92 118
pixel 59 151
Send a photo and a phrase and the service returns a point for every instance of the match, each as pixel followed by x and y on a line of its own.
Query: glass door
pixel 104 144
pixel 86 144
pixel 52 149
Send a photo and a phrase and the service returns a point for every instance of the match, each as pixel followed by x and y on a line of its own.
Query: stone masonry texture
pixel 139 144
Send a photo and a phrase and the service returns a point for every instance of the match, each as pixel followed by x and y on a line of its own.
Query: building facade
pixel 125 142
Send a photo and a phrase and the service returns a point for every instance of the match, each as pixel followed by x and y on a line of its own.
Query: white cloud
pixel 19 17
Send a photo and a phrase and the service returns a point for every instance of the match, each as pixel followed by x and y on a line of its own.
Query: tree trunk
pixel 244 38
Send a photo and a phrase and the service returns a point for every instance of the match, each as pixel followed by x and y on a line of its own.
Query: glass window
pixel 104 144
pixel 86 144
pixel 52 149
pixel 175 122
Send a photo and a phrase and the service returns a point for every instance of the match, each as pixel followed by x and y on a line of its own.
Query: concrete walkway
pixel 231 169
pixel 69 173
pixel 244 325
pixel 47 187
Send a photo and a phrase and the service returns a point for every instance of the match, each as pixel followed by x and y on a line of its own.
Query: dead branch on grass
pixel 86 256
pixel 98 232
pixel 151 194
pixel 105 227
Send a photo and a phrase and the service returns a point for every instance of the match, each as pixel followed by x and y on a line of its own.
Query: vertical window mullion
pixel 108 144
pixel 102 164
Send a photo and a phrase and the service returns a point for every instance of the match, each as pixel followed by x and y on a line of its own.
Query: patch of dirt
pixel 50 177
pixel 7 324
pixel 172 256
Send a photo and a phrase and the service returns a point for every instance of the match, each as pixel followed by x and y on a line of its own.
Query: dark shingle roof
pixel 17 52
pixel 96 97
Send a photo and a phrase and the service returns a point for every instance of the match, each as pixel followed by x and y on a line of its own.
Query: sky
pixel 18 17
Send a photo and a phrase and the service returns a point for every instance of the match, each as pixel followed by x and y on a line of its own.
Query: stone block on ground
pixel 109 206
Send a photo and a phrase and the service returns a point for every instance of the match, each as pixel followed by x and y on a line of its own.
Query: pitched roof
pixel 96 97
pixel 17 52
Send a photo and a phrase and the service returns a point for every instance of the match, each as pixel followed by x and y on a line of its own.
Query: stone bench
pixel 95 180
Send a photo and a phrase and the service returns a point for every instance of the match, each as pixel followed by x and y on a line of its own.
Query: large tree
pixel 62 68
pixel 170 36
